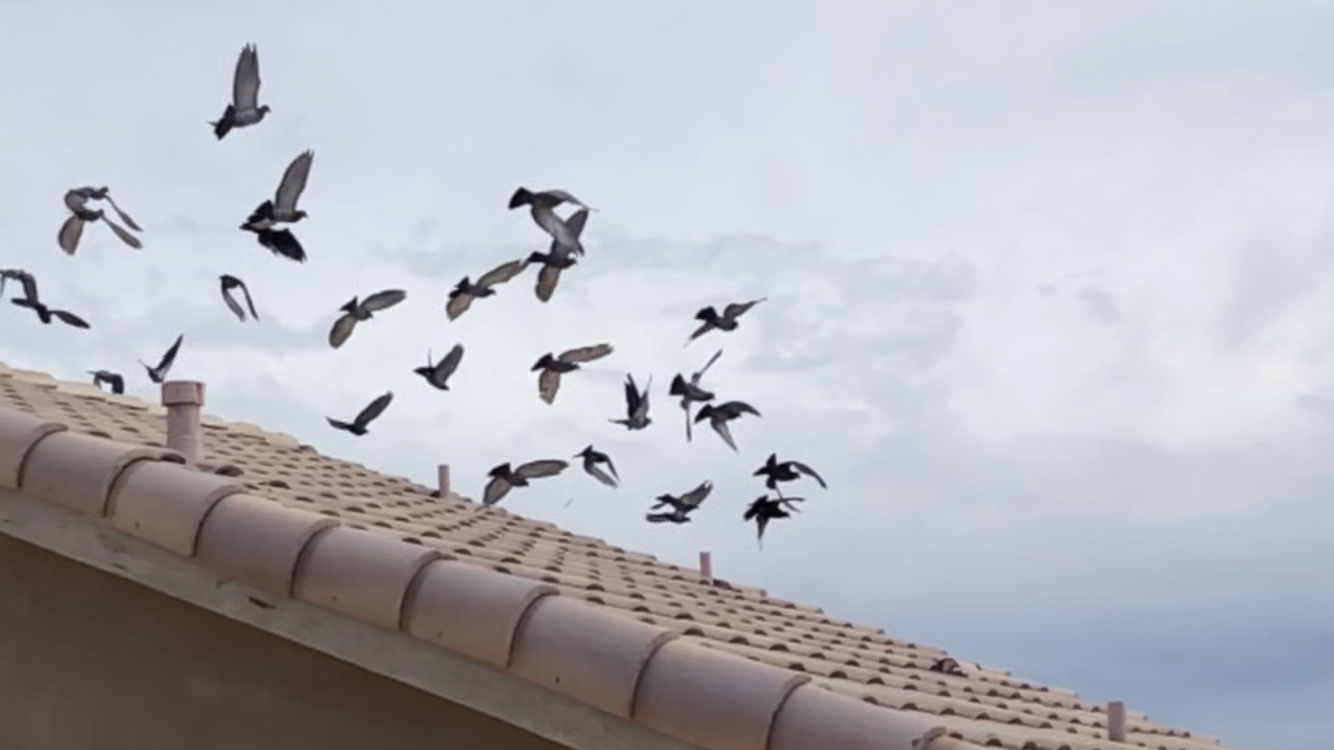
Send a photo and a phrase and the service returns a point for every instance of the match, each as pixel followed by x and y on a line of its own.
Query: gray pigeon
pixel 636 405
pixel 244 109
pixel 504 478
pixel 542 206
pixel 355 312
pixel 548 383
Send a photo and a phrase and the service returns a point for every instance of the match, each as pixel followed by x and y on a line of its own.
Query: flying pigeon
pixel 229 283
pixel 76 200
pixel 542 206
pixel 691 392
pixel 548 383
pixel 764 510
pixel 244 109
pixel 159 374
pixel 110 379
pixel 557 259
pixel 355 312
pixel 636 405
pixel 460 299
pixel 438 374
pixel 594 457
pixel 31 301
pixel 504 479
pixel 282 210
pixel 681 507
pixel 720 414
pixel 776 471
pixel 363 420
pixel 725 322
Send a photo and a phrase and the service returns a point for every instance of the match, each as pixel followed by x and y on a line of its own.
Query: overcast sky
pixel 1049 290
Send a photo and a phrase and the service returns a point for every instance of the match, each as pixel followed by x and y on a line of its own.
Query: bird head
pixel 542 363
pixel 264 109
pixel 536 257
pixel 521 197
pixel 706 314
pixel 425 372
pixel 499 471
pixel 584 453
pixel 298 215
pixel 350 306
pixel 705 412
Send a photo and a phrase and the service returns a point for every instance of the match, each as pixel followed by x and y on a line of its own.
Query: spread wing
pixel 70 318
pixel 447 365
pixel 124 236
pixel 383 300
pixel 342 329
pixel 740 407
pixel 547 278
pixel 724 432
pixel 227 283
pixel 552 224
pixel 374 409
pixel 693 498
pixel 282 242
pixel 631 396
pixel 123 216
pixel 541 468
pixel 70 233
pixel 575 224
pixel 502 273
pixel 29 283
pixel 245 84
pixel 496 489
pixel 586 353
pixel 737 308
pixel 641 408
pixel 808 471
pixel 548 385
pixel 169 358
pixel 249 303
pixel 563 196
pixel 597 473
pixel 294 182
pixel 698 375
pixel 458 304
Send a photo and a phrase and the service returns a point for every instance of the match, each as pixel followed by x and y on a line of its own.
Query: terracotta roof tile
pixel 717 664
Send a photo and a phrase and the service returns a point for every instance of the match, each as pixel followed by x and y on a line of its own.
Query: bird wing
pixel 541 468
pixel 338 424
pixel 660 517
pixel 123 216
pixel 294 182
pixel 693 498
pixel 249 303
pixel 495 490
pixel 449 363
pixel 808 471
pixel 575 225
pixel 116 382
pixel 124 236
pixel 548 385
pixel 737 308
pixel 724 432
pixel 282 242
pixel 685 406
pixel 342 329
pixel 383 300
pixel 70 318
pixel 612 467
pixel 374 409
pixel 586 353
pixel 245 84
pixel 641 408
pixel 753 510
pixel 227 283
pixel 547 278
pixel 631 396
pixel 557 197
pixel 70 233
pixel 704 328
pixel 29 283
pixel 740 407
pixel 502 273
pixel 458 304
pixel 695 378
pixel 169 358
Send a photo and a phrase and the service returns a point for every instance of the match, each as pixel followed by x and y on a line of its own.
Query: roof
pixel 716 664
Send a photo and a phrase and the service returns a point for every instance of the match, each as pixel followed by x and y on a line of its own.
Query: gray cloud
pixel 1047 292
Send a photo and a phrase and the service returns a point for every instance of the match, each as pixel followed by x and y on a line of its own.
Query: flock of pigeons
pixel 566 251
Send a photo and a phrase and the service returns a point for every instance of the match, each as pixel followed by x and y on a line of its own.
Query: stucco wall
pixel 89 661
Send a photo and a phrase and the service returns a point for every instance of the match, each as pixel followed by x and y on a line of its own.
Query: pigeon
pixel 762 511
pixel 438 374
pixel 363 420
pixel 31 301
pixel 720 414
pixel 725 322
pixel 542 205
pixel 504 479
pixel 681 507
pixel 776 471
pixel 244 109
pixel 691 392
pixel 282 210
pixel 548 383
pixel 76 200
pixel 460 299
pixel 355 312
pixel 594 457
pixel 948 665
pixel 110 379
pixel 229 283
pixel 636 405
pixel 557 259
pixel 159 374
